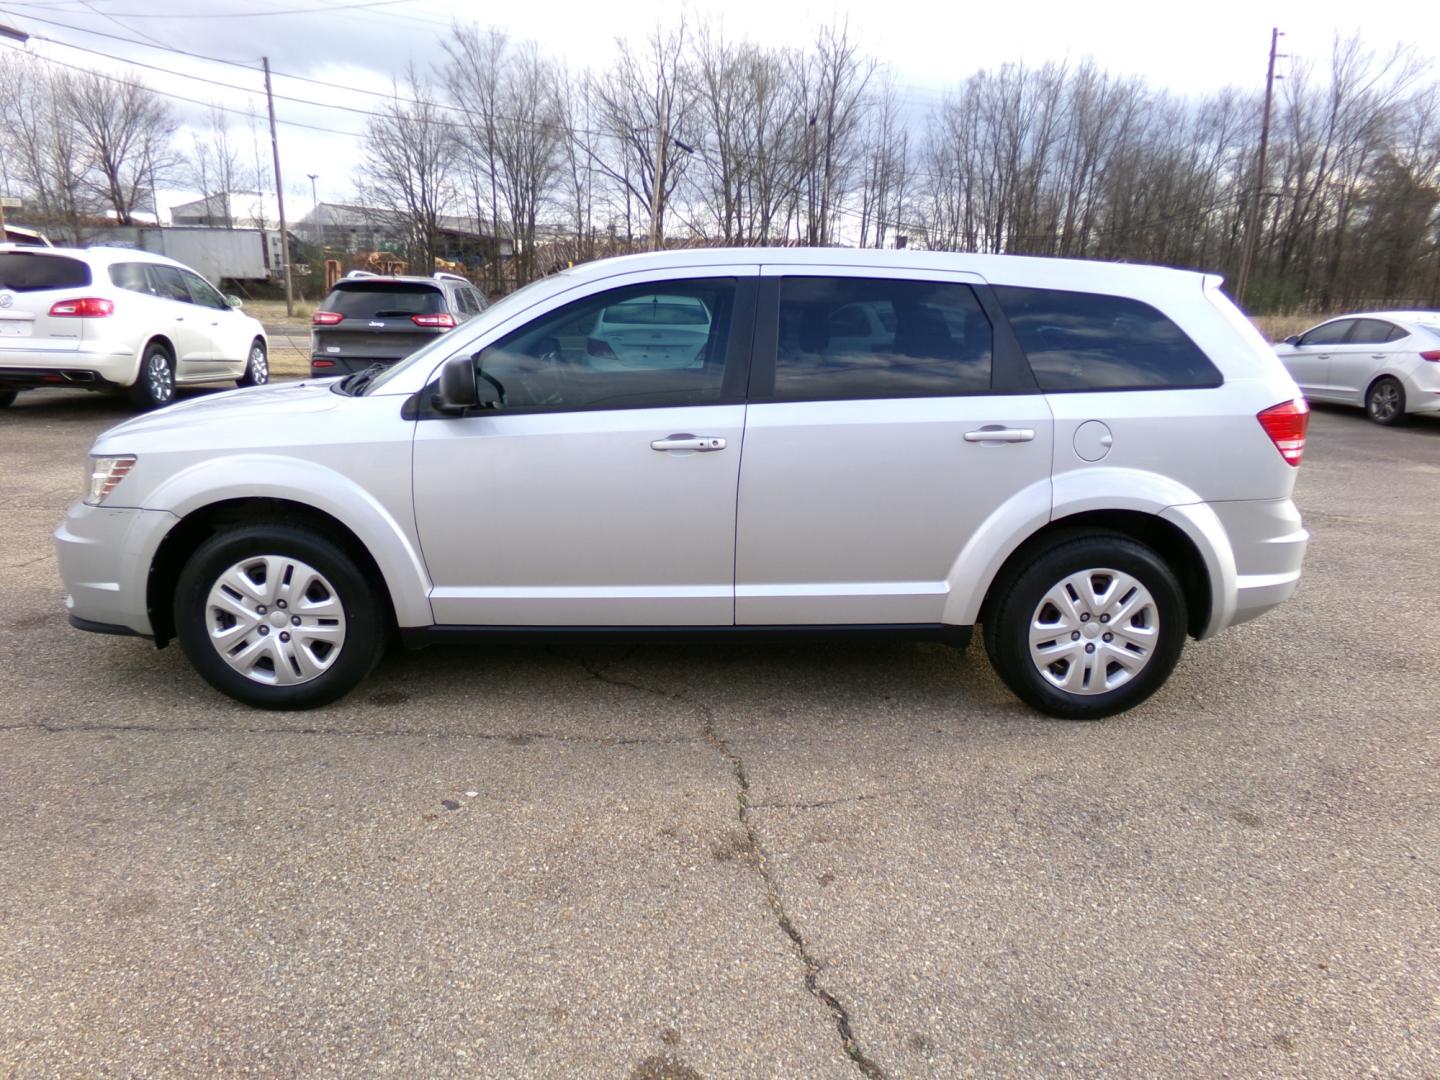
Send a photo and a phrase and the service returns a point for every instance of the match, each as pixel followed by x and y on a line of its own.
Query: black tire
pixel 155 382
pixel 7 398
pixel 1018 601
pixel 1385 401
pixel 365 629
pixel 257 369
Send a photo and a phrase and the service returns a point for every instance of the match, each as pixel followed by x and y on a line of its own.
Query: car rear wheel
pixel 1385 401
pixel 257 366
pixel 155 385
pixel 1091 627
pixel 278 617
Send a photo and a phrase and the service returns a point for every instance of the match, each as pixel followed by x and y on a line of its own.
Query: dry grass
pixel 1279 327
pixel 272 312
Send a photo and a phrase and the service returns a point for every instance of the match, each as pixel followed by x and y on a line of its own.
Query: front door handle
pixel 702 444
pixel 1377 356
pixel 996 433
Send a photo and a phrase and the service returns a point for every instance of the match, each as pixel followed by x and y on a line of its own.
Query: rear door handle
pixel 995 433
pixel 1377 356
pixel 701 444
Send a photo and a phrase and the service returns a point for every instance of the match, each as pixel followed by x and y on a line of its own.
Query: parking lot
pixel 706 861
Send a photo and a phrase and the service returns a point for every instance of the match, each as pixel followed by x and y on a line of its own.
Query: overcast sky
pixel 927 45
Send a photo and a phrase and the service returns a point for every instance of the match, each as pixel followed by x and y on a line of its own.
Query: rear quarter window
pixel 27 272
pixel 1090 341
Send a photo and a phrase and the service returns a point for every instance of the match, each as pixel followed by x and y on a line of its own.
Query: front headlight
pixel 105 475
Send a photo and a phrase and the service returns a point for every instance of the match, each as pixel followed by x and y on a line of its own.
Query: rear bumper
pixel 31 378
pixel 95 364
pixel 1255 551
pixel 105 556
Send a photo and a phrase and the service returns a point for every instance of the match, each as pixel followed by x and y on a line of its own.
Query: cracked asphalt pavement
pixel 681 861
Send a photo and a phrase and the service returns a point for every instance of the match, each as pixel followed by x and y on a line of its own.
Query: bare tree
pixel 410 166
pixel 645 104
pixel 215 164
pixel 126 131
pixel 42 146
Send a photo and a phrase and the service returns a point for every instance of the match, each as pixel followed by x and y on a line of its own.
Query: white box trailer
pixel 236 254
pixel 216 253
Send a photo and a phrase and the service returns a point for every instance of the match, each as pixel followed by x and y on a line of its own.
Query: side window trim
pixel 738 353
pixel 1216 382
pixel 1009 370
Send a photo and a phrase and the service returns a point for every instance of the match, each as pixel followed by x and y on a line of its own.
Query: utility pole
pixel 319 220
pixel 279 191
pixel 1252 224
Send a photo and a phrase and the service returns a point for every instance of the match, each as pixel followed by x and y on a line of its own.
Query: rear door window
pixel 1089 341
pixel 169 285
pixel 23 271
pixel 385 299
pixel 1371 332
pixel 843 338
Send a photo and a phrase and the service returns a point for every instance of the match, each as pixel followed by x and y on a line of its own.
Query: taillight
pixel 322 363
pixel 444 319
pixel 596 347
pixel 1432 355
pixel 1285 424
pixel 326 318
pixel 86 307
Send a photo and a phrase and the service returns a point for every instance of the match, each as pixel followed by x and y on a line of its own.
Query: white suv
pixel 1093 461
pixel 107 318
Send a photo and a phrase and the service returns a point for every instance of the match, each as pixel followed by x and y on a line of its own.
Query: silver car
pixel 1093 462
pixel 1388 362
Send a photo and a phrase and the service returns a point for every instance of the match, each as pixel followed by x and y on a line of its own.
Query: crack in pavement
pixel 868 1068
pixel 822 804
pixel 515 738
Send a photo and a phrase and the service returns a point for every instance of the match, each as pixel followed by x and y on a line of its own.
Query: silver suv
pixel 1092 461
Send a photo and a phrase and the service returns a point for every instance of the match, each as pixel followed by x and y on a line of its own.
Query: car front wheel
pixel 1092 627
pixel 278 617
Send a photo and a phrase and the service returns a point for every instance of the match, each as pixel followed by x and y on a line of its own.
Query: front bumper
pixel 105 554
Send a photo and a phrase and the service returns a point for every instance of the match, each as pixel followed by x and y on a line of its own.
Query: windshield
pixel 499 311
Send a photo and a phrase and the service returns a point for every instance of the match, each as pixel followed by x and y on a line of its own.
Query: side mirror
pixel 234 301
pixel 1293 339
pixel 460 390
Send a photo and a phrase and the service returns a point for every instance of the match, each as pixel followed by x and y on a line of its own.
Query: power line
pixel 20 49
pixel 238 14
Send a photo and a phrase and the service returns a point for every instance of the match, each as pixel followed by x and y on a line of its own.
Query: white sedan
pixel 1386 361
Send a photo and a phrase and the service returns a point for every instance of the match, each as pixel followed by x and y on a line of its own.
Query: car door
pixel 591 496
pixel 185 325
pixel 867 470
pixel 229 331
pixel 1354 364
pixel 1308 360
